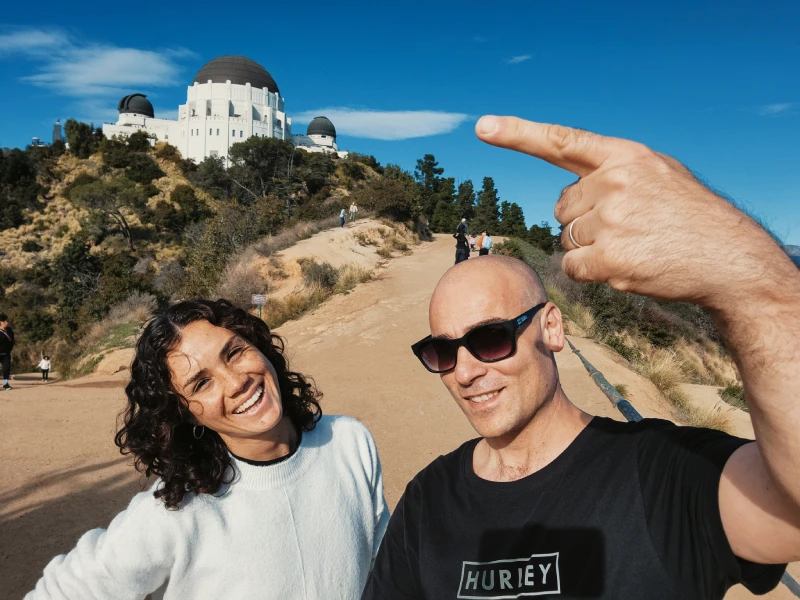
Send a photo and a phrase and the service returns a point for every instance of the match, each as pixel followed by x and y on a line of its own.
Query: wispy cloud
pixel 86 69
pixel 772 110
pixel 514 60
pixel 386 124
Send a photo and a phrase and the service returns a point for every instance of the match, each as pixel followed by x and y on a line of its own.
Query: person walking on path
pixel 44 365
pixel 551 501
pixel 241 454
pixel 462 247
pixel 462 226
pixel 6 346
pixel 353 211
pixel 479 242
pixel 342 217
pixel 486 244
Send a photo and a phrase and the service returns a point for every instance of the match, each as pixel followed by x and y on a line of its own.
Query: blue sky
pixel 715 84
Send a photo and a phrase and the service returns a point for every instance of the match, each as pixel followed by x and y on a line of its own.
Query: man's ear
pixel 552 327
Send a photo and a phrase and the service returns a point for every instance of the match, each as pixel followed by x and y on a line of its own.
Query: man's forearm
pixel 762 327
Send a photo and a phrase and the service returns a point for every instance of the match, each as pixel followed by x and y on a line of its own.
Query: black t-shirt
pixel 628 510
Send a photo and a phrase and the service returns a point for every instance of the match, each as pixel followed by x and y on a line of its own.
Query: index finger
pixel 576 150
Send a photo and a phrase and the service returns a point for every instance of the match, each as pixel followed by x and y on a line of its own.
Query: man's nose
pixel 468 368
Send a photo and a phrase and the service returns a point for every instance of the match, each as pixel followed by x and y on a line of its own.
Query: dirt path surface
pixel 60 473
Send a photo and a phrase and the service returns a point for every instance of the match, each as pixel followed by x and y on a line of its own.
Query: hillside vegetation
pixel 95 238
pixel 669 343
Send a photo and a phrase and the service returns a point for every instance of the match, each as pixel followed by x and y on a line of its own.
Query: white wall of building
pixel 215 116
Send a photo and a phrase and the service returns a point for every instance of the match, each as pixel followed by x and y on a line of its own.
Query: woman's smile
pixel 252 404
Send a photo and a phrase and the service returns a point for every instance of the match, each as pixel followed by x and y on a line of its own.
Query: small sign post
pixel 258 300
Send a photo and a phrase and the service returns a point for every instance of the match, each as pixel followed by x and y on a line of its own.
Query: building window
pixel 210 132
pixel 192 133
pixel 217 131
pixel 233 133
pixel 241 134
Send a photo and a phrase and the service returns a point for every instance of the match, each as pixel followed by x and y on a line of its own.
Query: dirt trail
pixel 60 473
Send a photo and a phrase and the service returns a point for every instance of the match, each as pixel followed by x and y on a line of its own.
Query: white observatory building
pixel 231 99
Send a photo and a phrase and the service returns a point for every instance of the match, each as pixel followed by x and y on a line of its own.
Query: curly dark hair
pixel 157 424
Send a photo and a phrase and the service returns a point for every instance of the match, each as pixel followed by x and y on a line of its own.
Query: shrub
pixel 532 256
pixel 143 169
pixel 384 252
pixel 83 178
pixel 116 154
pixel 239 282
pixel 139 142
pixel 30 246
pixel 616 343
pixel 319 274
pixel 350 275
pixel 166 151
pixel 664 370
pixel 733 394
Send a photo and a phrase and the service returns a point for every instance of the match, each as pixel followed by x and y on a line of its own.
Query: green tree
pixel 139 142
pixel 428 176
pixel 445 217
pixel 542 237
pixel 487 211
pixel 210 176
pixel 75 276
pixel 512 220
pixel 259 168
pixel 143 169
pixel 465 201
pixel 83 139
pixel 19 188
pixel 394 198
pixel 112 199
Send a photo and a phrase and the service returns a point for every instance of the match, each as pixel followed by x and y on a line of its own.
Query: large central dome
pixel 238 70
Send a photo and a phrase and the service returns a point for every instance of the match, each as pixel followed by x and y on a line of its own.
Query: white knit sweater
pixel 308 527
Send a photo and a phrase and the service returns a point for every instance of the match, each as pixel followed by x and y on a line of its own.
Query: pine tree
pixel 512 220
pixel 487 211
pixel 428 176
pixel 465 201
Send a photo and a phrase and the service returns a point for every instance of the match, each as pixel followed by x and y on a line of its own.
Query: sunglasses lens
pixel 491 342
pixel 438 355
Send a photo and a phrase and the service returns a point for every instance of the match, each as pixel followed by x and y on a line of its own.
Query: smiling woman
pixel 241 450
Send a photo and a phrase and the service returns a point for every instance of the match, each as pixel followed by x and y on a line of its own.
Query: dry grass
pixel 384 252
pixel 276 312
pixel 717 418
pixel 239 282
pixel 350 275
pixel 663 369
pixel 578 320
pixel 622 390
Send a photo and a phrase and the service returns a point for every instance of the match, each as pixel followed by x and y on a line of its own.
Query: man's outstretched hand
pixel 646 224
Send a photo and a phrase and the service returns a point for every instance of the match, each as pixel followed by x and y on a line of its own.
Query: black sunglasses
pixel 488 343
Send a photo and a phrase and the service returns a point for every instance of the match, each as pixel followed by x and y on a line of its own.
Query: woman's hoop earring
pixel 202 431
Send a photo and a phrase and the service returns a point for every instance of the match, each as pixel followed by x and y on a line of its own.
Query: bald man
pixel 552 502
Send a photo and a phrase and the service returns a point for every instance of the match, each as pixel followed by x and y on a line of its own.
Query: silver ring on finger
pixel 572 239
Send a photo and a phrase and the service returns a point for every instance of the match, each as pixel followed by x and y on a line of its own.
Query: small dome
pixel 321 126
pixel 238 70
pixel 136 104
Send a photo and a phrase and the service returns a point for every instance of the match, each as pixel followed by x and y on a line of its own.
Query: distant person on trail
pixel 479 241
pixel 257 495
pixel 342 217
pixel 552 502
pixel 462 227
pixel 353 211
pixel 486 244
pixel 462 247
pixel 6 346
pixel 44 365
pixel 471 242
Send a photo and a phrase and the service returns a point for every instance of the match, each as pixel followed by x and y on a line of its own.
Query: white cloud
pixel 386 124
pixel 771 110
pixel 31 41
pixel 85 69
pixel 518 59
